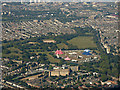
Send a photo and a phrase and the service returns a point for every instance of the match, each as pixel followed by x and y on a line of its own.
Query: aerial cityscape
pixel 60 1
pixel 59 45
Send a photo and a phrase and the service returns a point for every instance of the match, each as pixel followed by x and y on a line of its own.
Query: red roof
pixel 59 52
pixel 67 58
pixel 56 52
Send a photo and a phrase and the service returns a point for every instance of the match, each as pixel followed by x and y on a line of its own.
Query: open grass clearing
pixel 62 46
pixel 83 42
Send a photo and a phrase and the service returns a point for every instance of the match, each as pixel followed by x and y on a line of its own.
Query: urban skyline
pixel 59 0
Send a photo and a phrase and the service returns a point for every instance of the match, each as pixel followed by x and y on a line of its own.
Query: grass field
pixel 62 45
pixel 52 59
pixel 13 49
pixel 14 52
pixel 83 42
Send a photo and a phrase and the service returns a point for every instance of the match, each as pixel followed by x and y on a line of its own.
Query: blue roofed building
pixel 86 53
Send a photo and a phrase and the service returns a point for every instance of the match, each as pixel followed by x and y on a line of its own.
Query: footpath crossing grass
pixel 52 59
pixel 83 42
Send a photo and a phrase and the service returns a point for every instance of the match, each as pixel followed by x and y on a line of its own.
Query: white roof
pixel 74 60
pixel 86 50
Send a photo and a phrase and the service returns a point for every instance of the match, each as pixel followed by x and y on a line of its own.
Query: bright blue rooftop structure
pixel 86 53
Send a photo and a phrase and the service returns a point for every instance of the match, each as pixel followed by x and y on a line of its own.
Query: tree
pixel 50 67
pixel 61 62
pixel 23 70
pixel 104 77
